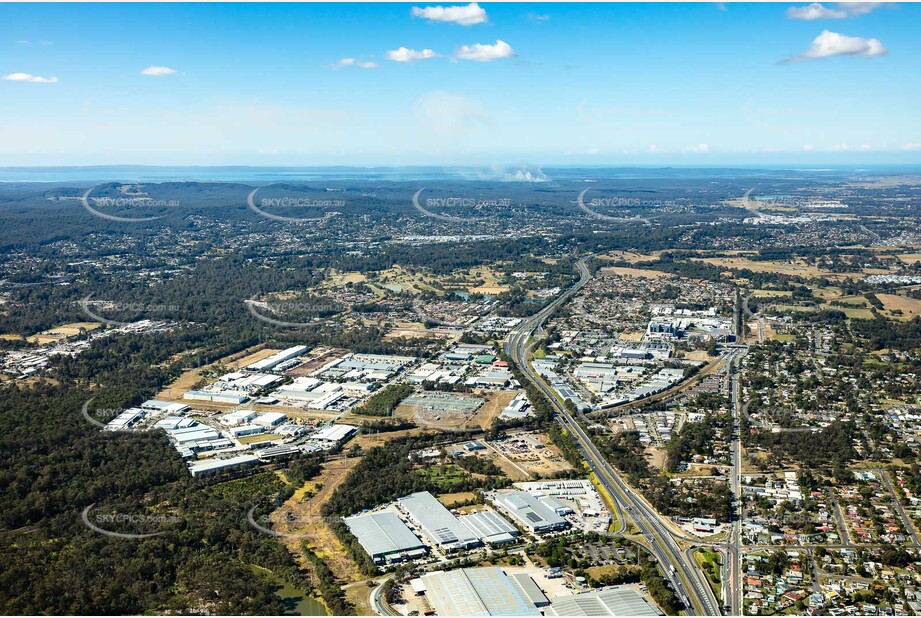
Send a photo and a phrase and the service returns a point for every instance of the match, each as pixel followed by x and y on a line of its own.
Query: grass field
pixel 856 313
pixel 910 307
pixel 709 561
pixel 771 294
pixel 63 331
pixel 635 272
pixel 797 268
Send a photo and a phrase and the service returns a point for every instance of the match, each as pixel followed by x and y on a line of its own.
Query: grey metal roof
pixel 486 591
pixel 437 522
pixel 382 534
pixel 488 524
pixel 529 588
pixel 529 510
pixel 615 601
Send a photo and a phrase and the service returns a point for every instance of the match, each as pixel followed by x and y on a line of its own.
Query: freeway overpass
pixel 687 580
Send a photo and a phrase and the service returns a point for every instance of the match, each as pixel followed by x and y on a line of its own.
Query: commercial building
pixel 277 452
pixel 485 591
pixel 223 397
pixel 125 420
pixel 385 537
pixel 277 358
pixel 208 467
pixel 333 434
pixel 246 430
pixel 240 417
pixel 529 511
pixel 270 419
pixel 519 407
pixel 164 406
pixel 437 523
pixel 614 601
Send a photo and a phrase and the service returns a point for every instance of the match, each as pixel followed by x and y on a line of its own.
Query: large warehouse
pixel 615 601
pixel 438 524
pixel 491 527
pixel 485 591
pixel 385 537
pixel 531 512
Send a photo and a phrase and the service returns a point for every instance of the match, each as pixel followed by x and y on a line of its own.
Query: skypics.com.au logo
pixel 598 203
pixel 434 207
pixel 271 204
pixel 117 208
pixel 307 314
pixel 140 311
pixel 113 524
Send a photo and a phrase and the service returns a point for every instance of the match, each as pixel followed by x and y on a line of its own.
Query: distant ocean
pixel 524 173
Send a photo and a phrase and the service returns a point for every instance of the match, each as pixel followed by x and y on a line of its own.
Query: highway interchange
pixel 677 564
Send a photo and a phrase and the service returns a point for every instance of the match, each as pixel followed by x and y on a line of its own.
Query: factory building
pixel 240 417
pixel 208 467
pixel 224 397
pixel 519 407
pixel 277 358
pixel 529 511
pixel 270 419
pixel 125 420
pixel 437 523
pixel 614 601
pixel 277 452
pixel 490 527
pixel 246 430
pixel 333 434
pixel 529 588
pixel 385 537
pixel 485 591
pixel 164 406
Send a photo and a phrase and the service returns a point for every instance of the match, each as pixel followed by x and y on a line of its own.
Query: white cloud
pixel 32 79
pixel 842 10
pixel 538 17
pixel 814 11
pixel 155 71
pixel 404 54
pixel 352 62
pixel 911 146
pixel 698 148
pixel 808 147
pixel 465 15
pixel 840 148
pixel 652 148
pixel 484 53
pixel 830 44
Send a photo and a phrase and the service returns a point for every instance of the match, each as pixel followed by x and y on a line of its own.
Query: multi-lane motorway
pixel 677 565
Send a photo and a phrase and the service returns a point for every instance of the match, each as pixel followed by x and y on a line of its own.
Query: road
pixel 906 520
pixel 378 603
pixel 733 591
pixel 685 577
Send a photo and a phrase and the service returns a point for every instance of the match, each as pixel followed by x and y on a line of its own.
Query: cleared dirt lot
pixel 495 403
pixel 910 307
pixel 302 515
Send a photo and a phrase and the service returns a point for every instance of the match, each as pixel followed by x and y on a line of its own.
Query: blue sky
pixel 552 84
